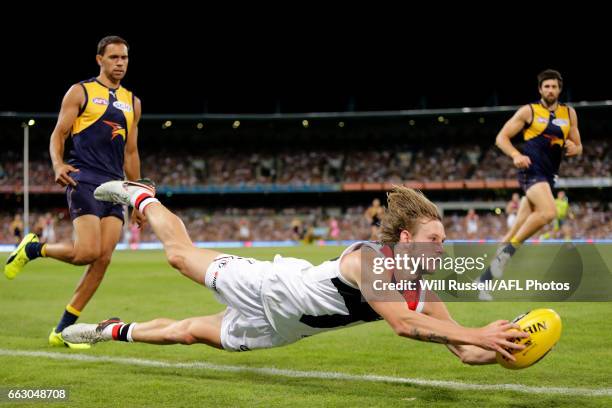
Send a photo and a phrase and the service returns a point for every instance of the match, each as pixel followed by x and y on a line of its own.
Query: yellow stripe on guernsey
pixel 541 121
pixel 98 97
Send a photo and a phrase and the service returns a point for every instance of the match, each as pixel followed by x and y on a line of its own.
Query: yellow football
pixel 544 327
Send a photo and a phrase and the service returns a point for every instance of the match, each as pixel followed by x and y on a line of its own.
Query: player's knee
pixel 179 333
pixel 85 256
pixel 176 260
pixel 548 215
pixel 176 256
pixel 104 260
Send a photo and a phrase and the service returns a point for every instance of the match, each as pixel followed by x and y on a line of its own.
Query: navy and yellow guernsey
pixel 544 140
pixel 100 132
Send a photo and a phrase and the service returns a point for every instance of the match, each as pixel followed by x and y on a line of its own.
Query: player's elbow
pixel 501 139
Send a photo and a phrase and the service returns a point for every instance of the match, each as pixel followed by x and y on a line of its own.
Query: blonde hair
pixel 406 210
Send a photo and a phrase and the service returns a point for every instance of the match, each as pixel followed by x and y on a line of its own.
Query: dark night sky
pixel 242 69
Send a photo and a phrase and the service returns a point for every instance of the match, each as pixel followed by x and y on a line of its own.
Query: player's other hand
pixel 521 161
pixel 138 218
pixel 61 174
pixel 497 336
pixel 571 149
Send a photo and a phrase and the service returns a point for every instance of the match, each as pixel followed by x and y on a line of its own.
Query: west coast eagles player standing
pixel 101 117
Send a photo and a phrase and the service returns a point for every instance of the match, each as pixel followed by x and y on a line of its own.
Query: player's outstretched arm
pixel 468 354
pixel 407 323
pixel 392 307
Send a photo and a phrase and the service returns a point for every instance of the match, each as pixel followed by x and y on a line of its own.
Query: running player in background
pixel 549 130
pixel 16 228
pixel 374 215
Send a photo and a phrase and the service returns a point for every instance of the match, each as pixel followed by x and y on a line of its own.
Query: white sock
pixel 129 333
pixel 137 193
pixel 144 203
pixel 141 198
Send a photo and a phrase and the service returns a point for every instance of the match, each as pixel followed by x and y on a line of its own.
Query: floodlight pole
pixel 26 178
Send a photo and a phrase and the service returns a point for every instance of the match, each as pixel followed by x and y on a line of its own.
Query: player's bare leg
pixel 544 211
pixel 86 247
pixel 202 330
pixel 89 283
pixel 180 251
pixel 110 233
pixel 83 251
pixel 536 210
pixel 525 209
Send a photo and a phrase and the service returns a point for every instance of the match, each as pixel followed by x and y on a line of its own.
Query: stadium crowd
pixel 593 220
pixel 287 167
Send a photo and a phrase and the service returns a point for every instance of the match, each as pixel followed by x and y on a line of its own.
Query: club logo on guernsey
pixel 118 130
pixel 100 101
pixel 122 106
pixel 554 140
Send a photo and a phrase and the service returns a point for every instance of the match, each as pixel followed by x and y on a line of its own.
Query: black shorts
pixel 528 177
pixel 375 221
pixel 81 201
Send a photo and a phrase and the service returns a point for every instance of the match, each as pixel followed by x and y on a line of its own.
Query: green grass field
pixel 141 286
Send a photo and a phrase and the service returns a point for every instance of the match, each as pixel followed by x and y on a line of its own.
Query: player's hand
pixel 571 149
pixel 138 218
pixel 521 161
pixel 61 174
pixel 497 336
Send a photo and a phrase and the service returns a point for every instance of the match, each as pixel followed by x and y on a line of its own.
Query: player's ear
pixel 405 237
pixel 99 60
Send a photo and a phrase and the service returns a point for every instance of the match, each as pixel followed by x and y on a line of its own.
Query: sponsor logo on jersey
pixel 560 122
pixel 100 101
pixel 122 106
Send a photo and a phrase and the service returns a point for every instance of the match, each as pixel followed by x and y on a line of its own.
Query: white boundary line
pixel 323 375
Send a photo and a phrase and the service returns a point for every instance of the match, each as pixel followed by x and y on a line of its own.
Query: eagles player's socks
pixel 69 317
pixel 510 249
pixel 35 250
pixel 486 276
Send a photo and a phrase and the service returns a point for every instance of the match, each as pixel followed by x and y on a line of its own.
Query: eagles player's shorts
pixel 237 282
pixel 528 177
pixel 81 201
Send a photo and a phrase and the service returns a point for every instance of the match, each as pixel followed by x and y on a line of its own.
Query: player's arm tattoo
pixel 431 337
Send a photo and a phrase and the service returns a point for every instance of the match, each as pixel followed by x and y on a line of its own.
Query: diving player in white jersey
pixel 272 304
